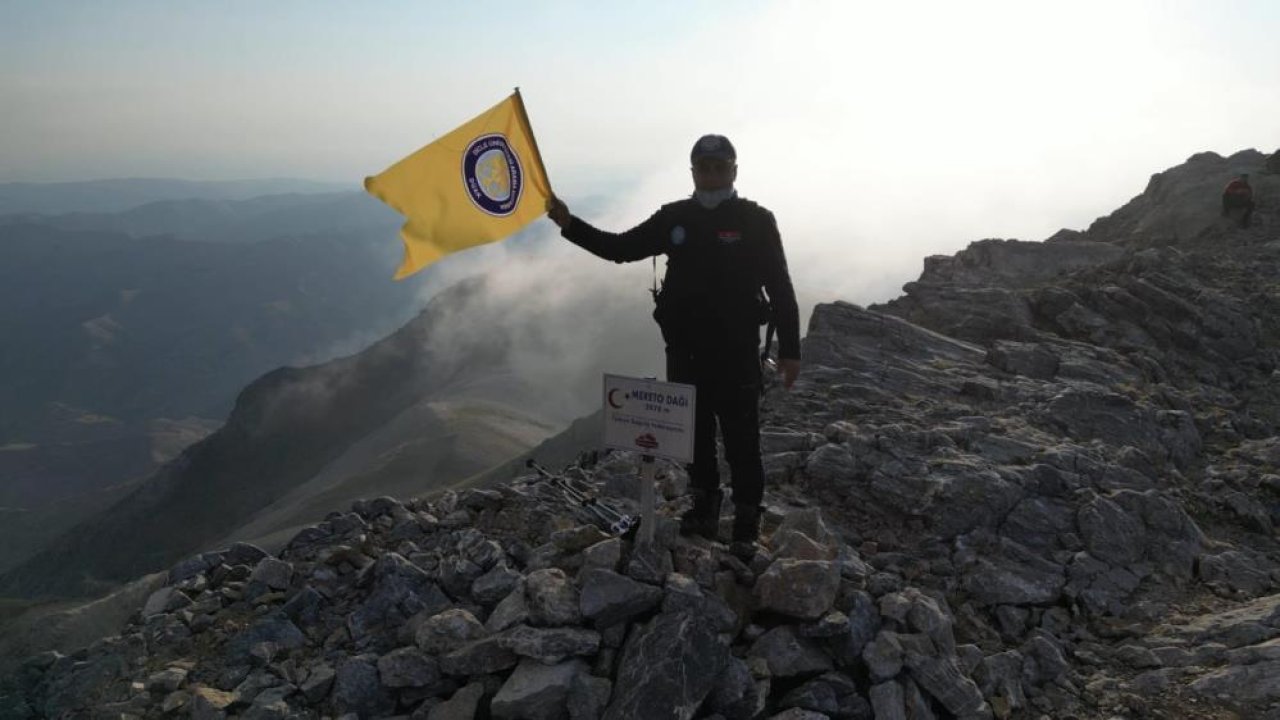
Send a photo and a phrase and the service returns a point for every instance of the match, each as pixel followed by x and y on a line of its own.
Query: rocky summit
pixel 1043 483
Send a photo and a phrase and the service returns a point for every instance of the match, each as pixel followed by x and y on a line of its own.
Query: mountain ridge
pixel 1038 483
pixel 254 219
pixel 119 350
pixel 273 406
pixel 116 194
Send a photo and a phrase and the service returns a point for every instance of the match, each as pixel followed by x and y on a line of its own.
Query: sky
pixel 878 133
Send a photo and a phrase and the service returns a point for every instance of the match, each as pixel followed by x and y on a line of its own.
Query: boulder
pixel 669 666
pixel 608 598
pixel 537 691
pixel 803 589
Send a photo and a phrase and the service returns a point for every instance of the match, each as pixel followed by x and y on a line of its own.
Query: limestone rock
pixel 669 665
pixel 787 654
pixel 273 573
pixel 479 657
pixel 208 703
pixel 357 689
pixel 550 645
pixel 803 589
pixel 553 599
pixel 536 691
pixel 448 631
pixel 608 598
pixel 408 667
pixel 1251 683
pixel 166 599
pixel 461 706
pixel 887 701
pixel 737 695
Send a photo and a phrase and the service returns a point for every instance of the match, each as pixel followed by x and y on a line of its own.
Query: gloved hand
pixel 788 369
pixel 558 212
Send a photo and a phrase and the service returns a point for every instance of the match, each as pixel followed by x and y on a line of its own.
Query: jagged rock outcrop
pixel 1043 483
pixel 1182 204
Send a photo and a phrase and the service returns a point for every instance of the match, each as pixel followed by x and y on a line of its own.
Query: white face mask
pixel 709 199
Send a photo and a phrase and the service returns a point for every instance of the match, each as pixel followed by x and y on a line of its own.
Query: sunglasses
pixel 712 165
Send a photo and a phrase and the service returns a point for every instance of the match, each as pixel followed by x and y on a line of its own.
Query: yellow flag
pixel 478 184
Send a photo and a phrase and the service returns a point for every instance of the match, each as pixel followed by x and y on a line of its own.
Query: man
pixel 722 251
pixel 1238 195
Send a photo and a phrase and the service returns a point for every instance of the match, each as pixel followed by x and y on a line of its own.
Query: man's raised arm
pixel 642 241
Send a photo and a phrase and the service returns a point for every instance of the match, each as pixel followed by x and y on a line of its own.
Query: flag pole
pixel 528 128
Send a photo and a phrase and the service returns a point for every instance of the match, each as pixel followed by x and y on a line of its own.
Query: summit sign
pixel 650 417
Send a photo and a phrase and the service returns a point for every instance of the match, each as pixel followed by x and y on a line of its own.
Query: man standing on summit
pixel 726 274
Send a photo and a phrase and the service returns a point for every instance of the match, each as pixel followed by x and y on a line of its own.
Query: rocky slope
pixel 123 345
pixel 1043 483
pixel 116 352
pixel 289 439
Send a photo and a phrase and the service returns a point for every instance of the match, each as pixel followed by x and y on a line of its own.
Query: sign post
pixel 648 474
pixel 653 418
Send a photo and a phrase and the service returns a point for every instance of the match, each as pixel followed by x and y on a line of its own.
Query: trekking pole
pixel 606 511
pixel 594 512
pixel 567 486
pixel 648 471
pixel 616 522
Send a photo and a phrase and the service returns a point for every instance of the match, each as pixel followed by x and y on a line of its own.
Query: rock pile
pixel 450 610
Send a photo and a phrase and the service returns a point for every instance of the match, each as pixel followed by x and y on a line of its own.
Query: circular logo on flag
pixel 493 176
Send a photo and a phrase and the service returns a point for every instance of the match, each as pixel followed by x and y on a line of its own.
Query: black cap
pixel 713 146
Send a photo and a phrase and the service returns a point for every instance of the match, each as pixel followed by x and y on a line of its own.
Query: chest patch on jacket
pixel 728 236
pixel 677 235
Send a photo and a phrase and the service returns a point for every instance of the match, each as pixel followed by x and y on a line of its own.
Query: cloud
pixel 880 134
pixel 559 317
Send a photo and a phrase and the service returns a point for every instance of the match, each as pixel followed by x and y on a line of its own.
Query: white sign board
pixel 648 416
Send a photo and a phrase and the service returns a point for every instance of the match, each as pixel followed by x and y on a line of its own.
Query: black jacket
pixel 718 260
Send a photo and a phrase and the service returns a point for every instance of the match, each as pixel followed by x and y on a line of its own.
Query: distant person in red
pixel 1238 195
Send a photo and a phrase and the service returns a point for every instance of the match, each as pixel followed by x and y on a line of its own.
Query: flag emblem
pixel 492 173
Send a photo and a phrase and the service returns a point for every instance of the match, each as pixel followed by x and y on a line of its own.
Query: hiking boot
pixel 704 517
pixel 746 530
pixel 744 550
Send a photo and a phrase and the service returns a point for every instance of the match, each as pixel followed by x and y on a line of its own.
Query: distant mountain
pixel 127 335
pixel 412 412
pixel 46 488
pixel 120 346
pixel 102 328
pixel 230 221
pixel 287 428
pixel 124 193
pixel 428 447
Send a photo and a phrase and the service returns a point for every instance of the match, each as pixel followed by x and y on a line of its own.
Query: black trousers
pixel 728 395
pixel 1235 202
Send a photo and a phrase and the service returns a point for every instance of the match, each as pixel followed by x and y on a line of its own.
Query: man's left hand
pixel 789 369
